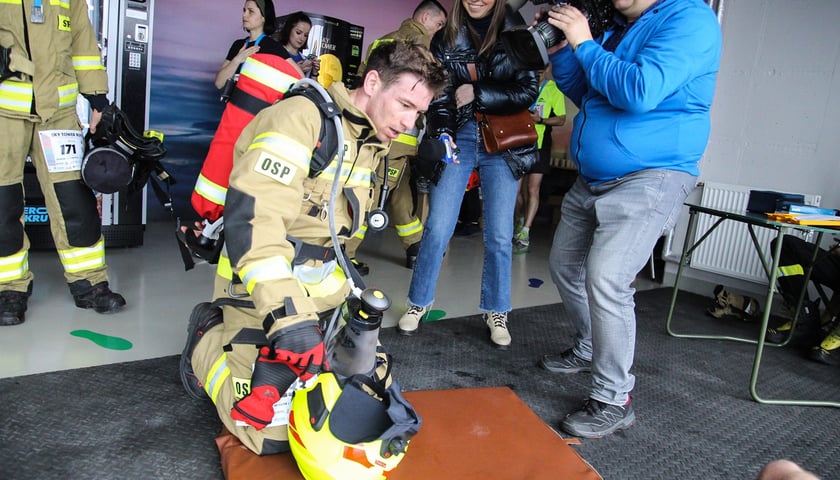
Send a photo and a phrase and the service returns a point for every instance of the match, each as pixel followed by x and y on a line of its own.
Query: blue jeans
pixel 498 189
pixel 605 237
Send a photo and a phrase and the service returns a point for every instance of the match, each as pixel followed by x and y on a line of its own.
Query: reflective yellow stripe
pixel 358 176
pixel 11 2
pixel 14 267
pixel 285 147
pixel 407 139
pixel 16 96
pixel 67 95
pixel 409 228
pixel 791 270
pixel 87 62
pixel 266 75
pixel 361 233
pixel 216 377
pixel 224 269
pixel 327 286
pixel 60 3
pixel 84 258
pixel 209 190
pixel 274 268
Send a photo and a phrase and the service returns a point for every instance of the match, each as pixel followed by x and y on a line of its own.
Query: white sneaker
pixel 499 335
pixel 410 321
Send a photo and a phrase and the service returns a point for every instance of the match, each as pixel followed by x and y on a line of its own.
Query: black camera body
pixel 528 46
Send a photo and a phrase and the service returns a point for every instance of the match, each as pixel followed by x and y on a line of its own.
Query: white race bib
pixel 63 149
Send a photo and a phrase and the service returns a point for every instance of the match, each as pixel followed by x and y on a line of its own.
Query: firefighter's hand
pixel 257 409
pixel 95 117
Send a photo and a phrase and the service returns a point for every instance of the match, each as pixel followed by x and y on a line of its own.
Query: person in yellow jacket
pixel 278 271
pixel 427 19
pixel 48 56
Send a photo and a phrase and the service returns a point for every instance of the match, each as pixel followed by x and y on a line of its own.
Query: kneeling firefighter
pixel 280 272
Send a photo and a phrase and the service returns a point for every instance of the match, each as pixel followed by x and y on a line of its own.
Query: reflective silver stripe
pixel 84 258
pixel 358 176
pixel 266 75
pixel 274 268
pixel 88 62
pixel 284 147
pixel 14 266
pixel 209 190
pixel 216 377
pixel 67 95
pixel 16 96
pixel 409 229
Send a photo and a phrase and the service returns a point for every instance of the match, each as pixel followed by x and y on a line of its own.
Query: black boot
pixel 828 351
pixel 98 297
pixel 807 331
pixel 411 255
pixel 204 317
pixel 13 306
pixel 360 267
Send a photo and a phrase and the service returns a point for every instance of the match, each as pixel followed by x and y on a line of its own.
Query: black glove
pixel 430 162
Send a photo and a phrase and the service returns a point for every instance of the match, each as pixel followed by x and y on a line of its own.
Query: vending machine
pixel 124 31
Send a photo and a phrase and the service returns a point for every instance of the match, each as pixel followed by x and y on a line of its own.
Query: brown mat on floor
pixel 468 433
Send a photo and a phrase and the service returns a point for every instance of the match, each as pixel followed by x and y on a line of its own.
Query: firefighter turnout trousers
pixel 74 220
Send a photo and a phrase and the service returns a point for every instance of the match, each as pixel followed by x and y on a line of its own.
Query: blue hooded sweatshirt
pixel 646 105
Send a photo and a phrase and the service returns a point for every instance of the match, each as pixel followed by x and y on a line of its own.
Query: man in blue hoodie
pixel 644 90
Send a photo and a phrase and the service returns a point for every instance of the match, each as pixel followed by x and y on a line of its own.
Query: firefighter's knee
pixel 78 208
pixel 11 229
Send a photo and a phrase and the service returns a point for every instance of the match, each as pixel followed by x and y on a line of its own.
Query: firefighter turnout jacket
pixel 400 202
pixel 55 59
pixel 278 251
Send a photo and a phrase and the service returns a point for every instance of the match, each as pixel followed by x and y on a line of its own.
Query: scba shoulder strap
pixel 327 147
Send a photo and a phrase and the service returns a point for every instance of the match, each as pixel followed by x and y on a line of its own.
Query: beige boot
pixel 410 321
pixel 499 335
pixel 728 304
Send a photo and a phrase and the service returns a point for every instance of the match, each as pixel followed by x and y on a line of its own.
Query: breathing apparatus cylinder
pixel 353 350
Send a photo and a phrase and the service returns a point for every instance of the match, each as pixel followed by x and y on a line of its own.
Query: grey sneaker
pixel 410 321
pixel 597 419
pixel 566 362
pixel 499 335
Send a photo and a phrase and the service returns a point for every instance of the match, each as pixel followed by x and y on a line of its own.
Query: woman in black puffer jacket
pixel 471 37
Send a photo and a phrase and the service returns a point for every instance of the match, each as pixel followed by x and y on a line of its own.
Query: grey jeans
pixel 606 234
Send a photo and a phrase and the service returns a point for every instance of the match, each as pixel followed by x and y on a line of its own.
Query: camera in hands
pixel 528 46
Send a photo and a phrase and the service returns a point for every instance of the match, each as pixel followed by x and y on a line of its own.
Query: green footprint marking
pixel 105 341
pixel 434 316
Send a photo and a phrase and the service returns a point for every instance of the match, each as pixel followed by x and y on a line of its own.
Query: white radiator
pixel 729 249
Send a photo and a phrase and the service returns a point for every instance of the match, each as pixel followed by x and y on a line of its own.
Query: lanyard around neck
pixel 256 42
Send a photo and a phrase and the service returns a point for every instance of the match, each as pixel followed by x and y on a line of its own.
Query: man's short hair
pixel 392 59
pixel 431 6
